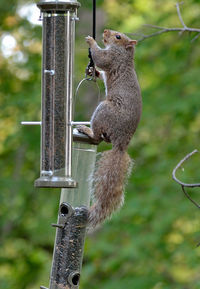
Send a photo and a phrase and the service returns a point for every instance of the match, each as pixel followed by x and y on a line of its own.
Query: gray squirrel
pixel 115 121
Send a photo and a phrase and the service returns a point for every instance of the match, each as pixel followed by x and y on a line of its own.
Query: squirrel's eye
pixel 118 36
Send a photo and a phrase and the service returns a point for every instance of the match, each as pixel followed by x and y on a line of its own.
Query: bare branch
pixel 164 30
pixel 183 185
pixel 179 165
pixel 169 29
pixel 179 15
pixel 143 36
pixel 188 196
pixel 197 36
pixel 155 26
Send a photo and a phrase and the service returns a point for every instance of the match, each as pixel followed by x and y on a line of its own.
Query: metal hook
pixel 86 78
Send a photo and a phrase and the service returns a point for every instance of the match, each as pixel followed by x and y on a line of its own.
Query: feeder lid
pixel 57 5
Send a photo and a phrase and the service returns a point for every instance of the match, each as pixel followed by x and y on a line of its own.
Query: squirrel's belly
pixel 109 120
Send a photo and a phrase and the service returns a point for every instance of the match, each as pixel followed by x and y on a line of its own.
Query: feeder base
pixel 55 182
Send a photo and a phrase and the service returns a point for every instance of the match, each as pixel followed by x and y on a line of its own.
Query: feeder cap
pixel 57 5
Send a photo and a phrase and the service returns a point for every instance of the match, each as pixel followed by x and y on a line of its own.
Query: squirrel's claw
pixel 88 131
pixel 89 39
pixel 81 128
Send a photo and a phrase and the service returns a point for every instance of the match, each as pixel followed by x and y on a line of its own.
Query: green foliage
pixel 151 242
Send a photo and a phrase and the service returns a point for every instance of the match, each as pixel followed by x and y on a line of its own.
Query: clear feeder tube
pixel 83 165
pixel 57 91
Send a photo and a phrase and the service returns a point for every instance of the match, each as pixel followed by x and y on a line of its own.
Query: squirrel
pixel 115 121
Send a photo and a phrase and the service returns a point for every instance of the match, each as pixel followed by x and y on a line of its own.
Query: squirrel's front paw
pixel 90 40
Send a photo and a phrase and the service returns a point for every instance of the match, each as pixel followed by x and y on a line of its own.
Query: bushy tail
pixel 109 182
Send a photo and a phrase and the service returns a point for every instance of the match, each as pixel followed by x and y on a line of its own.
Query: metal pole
pixel 69 71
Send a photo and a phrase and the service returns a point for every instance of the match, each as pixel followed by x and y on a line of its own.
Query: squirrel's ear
pixel 131 43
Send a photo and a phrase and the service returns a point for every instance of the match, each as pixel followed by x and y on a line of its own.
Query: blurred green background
pixel 151 242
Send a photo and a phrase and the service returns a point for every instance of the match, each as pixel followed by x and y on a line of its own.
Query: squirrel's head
pixel 114 38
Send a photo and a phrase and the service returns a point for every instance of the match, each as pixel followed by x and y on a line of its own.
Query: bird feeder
pixel 67 157
pixel 57 82
pixel 58 17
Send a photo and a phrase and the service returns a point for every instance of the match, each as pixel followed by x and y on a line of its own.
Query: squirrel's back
pixel 114 120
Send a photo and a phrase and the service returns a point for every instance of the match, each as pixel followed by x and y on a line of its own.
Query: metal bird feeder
pixel 57 74
pixel 67 157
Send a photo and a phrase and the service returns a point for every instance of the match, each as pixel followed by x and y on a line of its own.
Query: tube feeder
pixel 57 79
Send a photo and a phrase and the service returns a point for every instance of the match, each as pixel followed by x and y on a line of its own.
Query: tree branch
pixel 179 14
pixel 183 185
pixel 188 196
pixel 179 165
pixel 183 29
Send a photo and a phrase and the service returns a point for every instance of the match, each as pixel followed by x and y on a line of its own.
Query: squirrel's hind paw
pixel 88 131
pixel 84 129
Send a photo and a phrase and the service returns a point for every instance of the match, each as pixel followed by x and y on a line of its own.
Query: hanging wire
pixel 78 87
pixel 91 65
pixel 94 19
